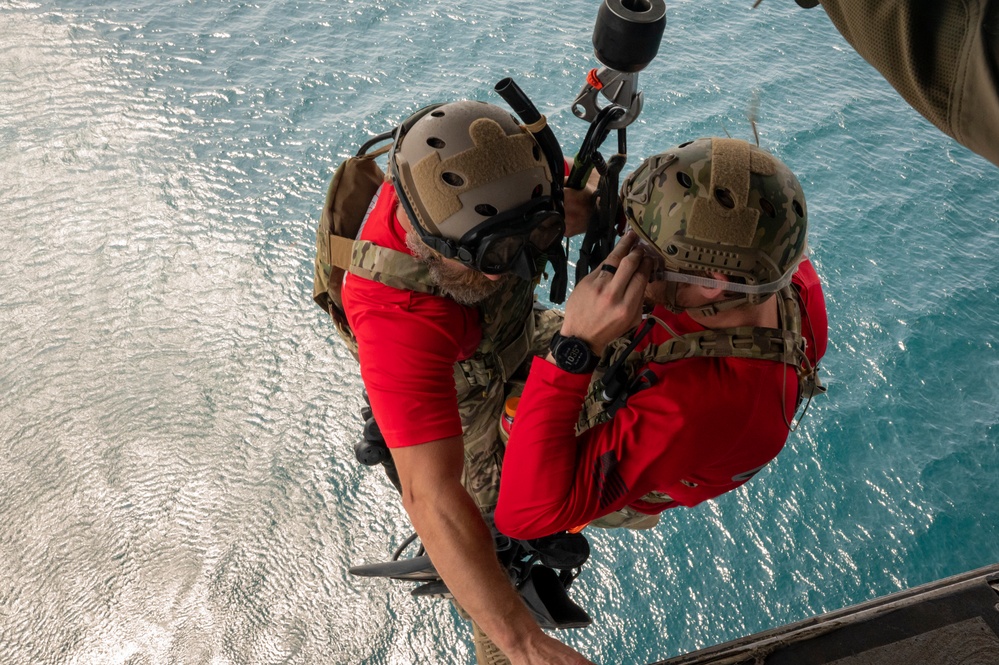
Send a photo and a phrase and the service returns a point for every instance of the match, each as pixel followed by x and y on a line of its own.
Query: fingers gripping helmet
pixel 459 167
pixel 721 205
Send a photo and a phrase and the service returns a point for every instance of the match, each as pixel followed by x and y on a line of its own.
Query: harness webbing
pixel 368 260
pixel 618 376
pixel 620 368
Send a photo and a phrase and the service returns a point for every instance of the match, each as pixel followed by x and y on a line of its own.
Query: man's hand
pixel 550 651
pixel 608 302
pixel 580 204
pixel 461 547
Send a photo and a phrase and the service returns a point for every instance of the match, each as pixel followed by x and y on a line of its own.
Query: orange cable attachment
pixel 591 79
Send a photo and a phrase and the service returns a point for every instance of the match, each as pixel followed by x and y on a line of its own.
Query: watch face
pixel 572 355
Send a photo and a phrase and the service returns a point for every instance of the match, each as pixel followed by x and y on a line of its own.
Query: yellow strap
pixel 537 125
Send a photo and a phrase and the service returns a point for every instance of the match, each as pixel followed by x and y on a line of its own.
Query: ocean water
pixel 177 482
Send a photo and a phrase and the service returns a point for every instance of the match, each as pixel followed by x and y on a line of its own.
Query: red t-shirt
pixel 408 343
pixel 704 428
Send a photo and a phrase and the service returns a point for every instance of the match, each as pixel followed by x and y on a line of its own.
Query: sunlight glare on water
pixel 177 418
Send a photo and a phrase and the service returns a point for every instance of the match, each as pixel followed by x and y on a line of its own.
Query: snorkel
pixel 537 124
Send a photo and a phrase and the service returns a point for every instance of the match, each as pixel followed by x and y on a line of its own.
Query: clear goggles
pixel 497 246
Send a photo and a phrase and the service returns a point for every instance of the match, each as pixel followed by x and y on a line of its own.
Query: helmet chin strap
pixel 751 294
pixel 709 309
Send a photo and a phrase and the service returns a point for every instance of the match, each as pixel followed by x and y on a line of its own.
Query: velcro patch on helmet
pixel 722 216
pixel 762 163
pixel 495 155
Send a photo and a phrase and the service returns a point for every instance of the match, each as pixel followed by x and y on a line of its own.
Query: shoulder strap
pixel 616 378
pixel 383 265
pixel 748 342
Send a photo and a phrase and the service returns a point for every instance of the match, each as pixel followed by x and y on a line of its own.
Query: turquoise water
pixel 177 482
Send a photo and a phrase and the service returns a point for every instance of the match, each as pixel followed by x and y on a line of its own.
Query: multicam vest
pixel 507 318
pixel 619 376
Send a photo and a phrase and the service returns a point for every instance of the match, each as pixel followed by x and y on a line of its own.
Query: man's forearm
pixel 462 549
pixel 461 546
pixel 543 490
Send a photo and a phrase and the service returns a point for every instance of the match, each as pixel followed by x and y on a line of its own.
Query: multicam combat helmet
pixel 460 164
pixel 720 205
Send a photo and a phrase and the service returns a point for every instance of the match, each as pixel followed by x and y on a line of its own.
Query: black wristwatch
pixel 573 355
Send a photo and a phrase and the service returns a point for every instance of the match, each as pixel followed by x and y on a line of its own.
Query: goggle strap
pixel 560 265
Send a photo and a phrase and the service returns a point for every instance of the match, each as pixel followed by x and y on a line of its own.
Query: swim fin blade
pixel 417 569
pixel 549 602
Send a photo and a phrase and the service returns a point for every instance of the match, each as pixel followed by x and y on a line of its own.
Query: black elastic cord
pixel 615 378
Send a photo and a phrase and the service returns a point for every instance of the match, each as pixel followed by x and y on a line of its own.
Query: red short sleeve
pixel 408 343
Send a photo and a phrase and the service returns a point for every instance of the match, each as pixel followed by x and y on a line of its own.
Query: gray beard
pixel 465 286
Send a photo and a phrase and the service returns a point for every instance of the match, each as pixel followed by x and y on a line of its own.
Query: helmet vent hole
pixel 485 210
pixel 672 250
pixel 538 190
pixel 724 197
pixel 435 142
pixel 452 179
pixel 768 208
pixel 798 210
pixel 684 145
pixel 672 207
pixel 684 180
pixel 537 153
pixel 437 114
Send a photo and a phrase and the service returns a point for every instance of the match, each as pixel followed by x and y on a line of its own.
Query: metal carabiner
pixel 620 88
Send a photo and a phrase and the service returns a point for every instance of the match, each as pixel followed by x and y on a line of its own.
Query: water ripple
pixel 177 419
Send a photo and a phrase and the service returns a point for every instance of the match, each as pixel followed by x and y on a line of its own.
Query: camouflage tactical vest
pixel 618 377
pixel 507 318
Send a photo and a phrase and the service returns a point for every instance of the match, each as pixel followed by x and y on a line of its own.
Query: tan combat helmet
pixel 720 205
pixel 460 165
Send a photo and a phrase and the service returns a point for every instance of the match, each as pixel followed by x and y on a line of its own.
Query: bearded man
pixel 440 299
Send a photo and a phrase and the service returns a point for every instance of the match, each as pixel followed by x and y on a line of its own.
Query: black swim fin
pixel 417 569
pixel 549 602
